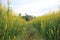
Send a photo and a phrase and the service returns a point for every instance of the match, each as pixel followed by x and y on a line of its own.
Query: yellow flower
pixel 5 17
pixel 0 5
pixel 14 37
pixel 3 38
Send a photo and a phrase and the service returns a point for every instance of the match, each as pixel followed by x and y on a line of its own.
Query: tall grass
pixel 12 27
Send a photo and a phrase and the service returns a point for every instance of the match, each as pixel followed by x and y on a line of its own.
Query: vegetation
pixel 27 17
pixel 12 27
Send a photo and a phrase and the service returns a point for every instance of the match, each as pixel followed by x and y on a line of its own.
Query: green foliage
pixel 13 27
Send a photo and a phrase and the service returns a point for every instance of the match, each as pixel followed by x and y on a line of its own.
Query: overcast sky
pixel 32 7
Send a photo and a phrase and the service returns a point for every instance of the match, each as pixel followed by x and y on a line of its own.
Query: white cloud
pixel 35 7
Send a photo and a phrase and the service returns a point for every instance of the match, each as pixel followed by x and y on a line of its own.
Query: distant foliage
pixel 26 17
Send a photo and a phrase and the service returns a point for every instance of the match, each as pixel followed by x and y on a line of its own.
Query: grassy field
pixel 12 27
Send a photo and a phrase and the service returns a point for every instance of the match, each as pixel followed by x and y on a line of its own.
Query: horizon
pixel 33 7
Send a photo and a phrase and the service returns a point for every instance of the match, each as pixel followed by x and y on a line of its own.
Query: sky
pixel 32 7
